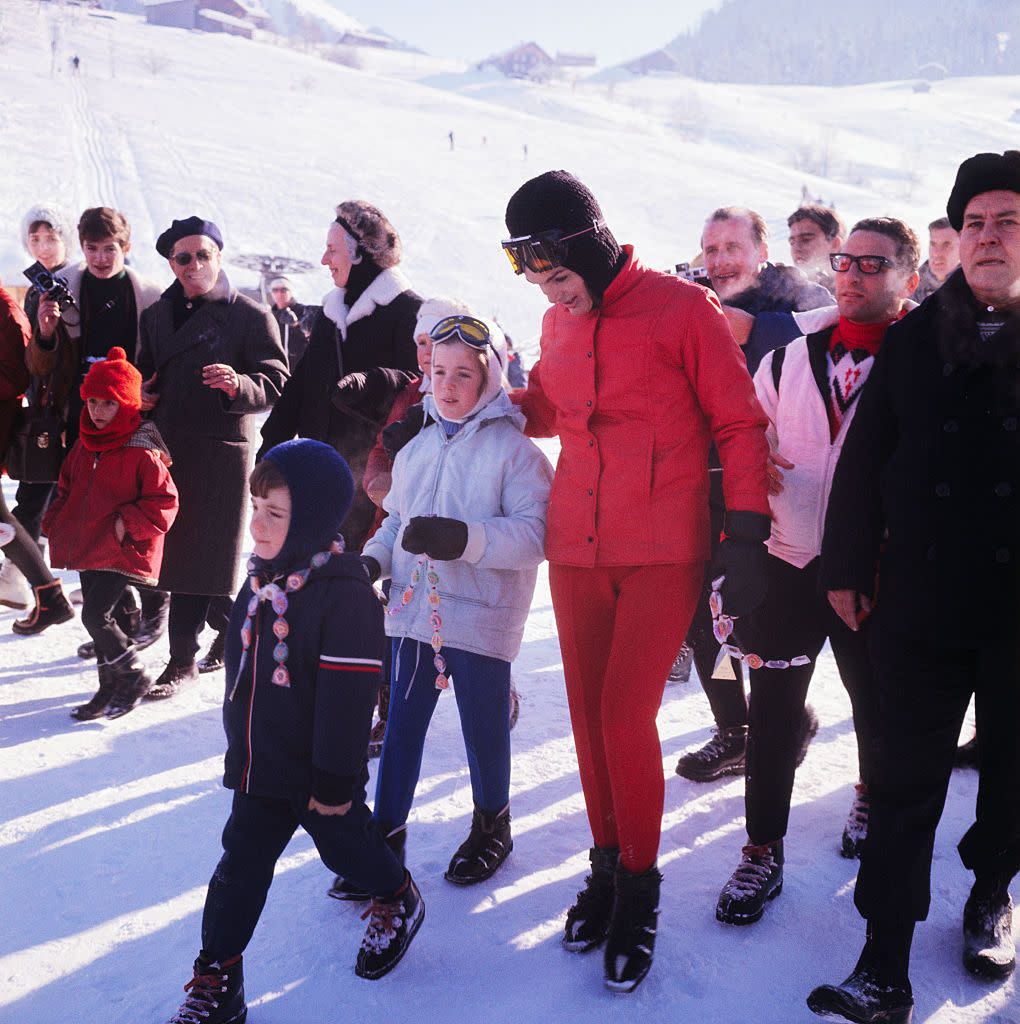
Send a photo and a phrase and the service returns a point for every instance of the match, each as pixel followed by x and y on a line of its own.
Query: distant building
pixel 235 17
pixel 657 60
pixel 350 38
pixel 932 72
pixel 528 60
pixel 575 60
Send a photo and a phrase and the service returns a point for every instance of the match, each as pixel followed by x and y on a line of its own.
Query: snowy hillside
pixel 109 831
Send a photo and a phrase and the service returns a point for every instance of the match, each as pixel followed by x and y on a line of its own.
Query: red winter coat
pixel 15 333
pixel 637 390
pixel 95 487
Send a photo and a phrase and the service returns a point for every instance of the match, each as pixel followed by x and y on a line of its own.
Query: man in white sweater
pixel 809 391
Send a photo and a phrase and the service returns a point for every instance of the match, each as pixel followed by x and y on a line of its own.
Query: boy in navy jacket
pixel 303 661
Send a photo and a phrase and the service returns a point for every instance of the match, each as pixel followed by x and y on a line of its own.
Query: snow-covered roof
pixel 225 19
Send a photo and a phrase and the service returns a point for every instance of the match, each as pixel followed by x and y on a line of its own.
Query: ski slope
pixel 109 831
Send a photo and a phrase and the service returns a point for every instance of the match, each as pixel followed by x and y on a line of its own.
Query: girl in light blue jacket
pixel 462 541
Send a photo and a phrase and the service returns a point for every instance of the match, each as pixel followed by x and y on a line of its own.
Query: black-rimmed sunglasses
pixel 841 262
pixel 543 250
pixel 182 259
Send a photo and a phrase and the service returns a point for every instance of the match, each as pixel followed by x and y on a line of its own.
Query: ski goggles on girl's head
pixel 468 329
pixel 544 250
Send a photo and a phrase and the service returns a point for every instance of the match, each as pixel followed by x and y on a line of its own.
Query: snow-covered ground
pixel 110 831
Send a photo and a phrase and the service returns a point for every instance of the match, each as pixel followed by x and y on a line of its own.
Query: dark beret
pixel 185 228
pixel 986 172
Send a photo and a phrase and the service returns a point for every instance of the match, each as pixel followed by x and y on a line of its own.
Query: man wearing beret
pixel 212 360
pixel 921 534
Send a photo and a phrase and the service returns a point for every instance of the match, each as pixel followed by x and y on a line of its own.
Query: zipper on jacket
pixel 439 473
pixel 246 774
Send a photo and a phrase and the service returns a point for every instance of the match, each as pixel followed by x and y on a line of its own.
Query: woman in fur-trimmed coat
pixel 367 321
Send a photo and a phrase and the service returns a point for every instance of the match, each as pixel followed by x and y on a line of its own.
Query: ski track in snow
pixel 110 831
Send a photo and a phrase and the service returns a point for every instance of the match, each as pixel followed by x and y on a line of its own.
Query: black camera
pixel 698 275
pixel 53 288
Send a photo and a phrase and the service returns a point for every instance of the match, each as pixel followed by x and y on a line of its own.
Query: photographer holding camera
pixel 106 301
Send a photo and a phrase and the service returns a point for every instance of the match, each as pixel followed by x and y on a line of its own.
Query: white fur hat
pixel 53 215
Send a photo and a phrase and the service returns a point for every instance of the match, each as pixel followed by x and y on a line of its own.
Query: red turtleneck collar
pixel 850 334
pixel 116 435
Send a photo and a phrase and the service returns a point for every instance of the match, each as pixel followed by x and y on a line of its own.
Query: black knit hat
pixel 985 172
pixel 557 199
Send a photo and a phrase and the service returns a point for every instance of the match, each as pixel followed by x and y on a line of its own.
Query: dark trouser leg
pixel 923 697
pixel 187 617
pixel 32 500
pixel 155 603
pixel 991 846
pixel 787 625
pixel 102 594
pixel 217 615
pixel 23 551
pixel 256 834
pixel 854 663
pixel 352 845
pixel 412 703
pixel 482 689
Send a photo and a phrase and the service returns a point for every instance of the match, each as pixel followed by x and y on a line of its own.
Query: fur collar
pixel 381 292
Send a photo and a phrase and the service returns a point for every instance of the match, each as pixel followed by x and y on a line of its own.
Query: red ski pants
pixel 620 628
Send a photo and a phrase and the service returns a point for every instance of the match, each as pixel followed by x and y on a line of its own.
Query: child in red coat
pixel 115 502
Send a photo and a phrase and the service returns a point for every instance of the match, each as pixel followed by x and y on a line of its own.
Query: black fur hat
pixel 557 199
pixel 985 172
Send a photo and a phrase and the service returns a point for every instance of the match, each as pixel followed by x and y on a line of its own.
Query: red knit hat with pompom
pixel 114 379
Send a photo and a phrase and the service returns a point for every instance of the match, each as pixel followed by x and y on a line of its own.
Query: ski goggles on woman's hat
pixel 543 250
pixel 468 329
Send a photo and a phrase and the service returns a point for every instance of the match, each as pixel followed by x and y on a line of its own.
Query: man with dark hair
pixel 943 257
pixel 921 539
pixel 816 231
pixel 809 391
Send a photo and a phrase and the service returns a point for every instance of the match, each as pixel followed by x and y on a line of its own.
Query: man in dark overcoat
pixel 213 359
pixel 922 534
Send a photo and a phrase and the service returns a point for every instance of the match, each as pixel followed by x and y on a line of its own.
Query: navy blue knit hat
pixel 185 228
pixel 321 491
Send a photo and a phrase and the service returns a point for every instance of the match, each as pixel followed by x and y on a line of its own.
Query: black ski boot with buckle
pixel 392 924
pixel 485 848
pixel 722 755
pixel 630 943
pixel 588 919
pixel 757 879
pixel 215 993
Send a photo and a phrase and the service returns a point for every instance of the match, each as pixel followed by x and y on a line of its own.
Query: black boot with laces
pixel 757 879
pixel 588 919
pixel 630 943
pixel 485 848
pixel 215 993
pixel 722 755
pixel 392 924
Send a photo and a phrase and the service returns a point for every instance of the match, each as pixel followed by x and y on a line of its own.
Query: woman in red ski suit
pixel 638 374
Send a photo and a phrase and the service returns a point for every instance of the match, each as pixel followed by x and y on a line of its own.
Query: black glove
pixel 743 559
pixel 398 433
pixel 372 567
pixel 439 538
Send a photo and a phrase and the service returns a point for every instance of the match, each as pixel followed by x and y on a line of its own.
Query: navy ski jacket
pixel 309 738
